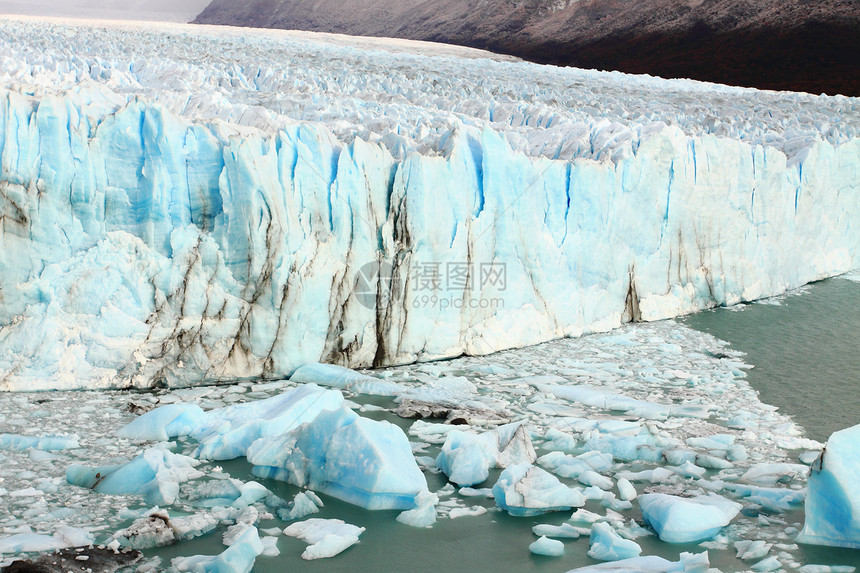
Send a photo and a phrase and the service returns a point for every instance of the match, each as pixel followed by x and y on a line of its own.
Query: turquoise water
pixel 806 352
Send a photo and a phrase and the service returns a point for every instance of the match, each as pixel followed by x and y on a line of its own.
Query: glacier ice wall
pixel 142 244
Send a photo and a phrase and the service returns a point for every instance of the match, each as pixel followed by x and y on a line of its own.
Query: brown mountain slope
pixel 801 45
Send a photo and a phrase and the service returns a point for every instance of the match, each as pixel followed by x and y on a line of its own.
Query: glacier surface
pixel 182 205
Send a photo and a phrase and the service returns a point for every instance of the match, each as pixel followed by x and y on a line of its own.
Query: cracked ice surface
pixel 184 205
pixel 734 446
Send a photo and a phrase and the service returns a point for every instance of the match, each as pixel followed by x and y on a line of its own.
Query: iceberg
pixel 169 220
pixel 466 458
pixel 155 474
pixel 687 520
pixel 688 563
pixel 548 547
pixel 305 436
pixel 239 557
pixel 833 500
pixel 525 490
pixel 325 537
pixel 607 545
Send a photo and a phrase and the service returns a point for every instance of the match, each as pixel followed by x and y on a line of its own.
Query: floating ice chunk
pixel 152 530
pixel 548 547
pixel 626 491
pixel 191 526
pixel 161 424
pixel 592 478
pixel 689 469
pixel 425 514
pixel 688 563
pixel 473 511
pixel 687 520
pixel 565 530
pixel 305 503
pixel 627 448
pixel 238 558
pixel 833 500
pixel 361 461
pixel 472 492
pixel 526 490
pixel 571 467
pixel 713 442
pixel 42 443
pixel 713 462
pixel 586 517
pixel 559 441
pixel 770 474
pixel 607 545
pixel 155 474
pixel 230 431
pixel 749 549
pixel 827 569
pixel 63 537
pixel 328 375
pixel 769 564
pixel 466 458
pixel 325 537
pixel 770 498
pixel 657 475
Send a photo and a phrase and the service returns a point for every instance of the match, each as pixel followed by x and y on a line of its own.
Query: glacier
pixel 183 205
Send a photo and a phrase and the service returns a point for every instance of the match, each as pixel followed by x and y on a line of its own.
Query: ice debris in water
pixel 325 537
pixel 64 536
pixel 155 474
pixel 466 458
pixel 305 436
pixel 526 490
pixel 833 502
pixel 548 547
pixel 687 520
pixel 239 557
pixel 305 503
pixel 607 545
pixel 424 515
pixel 42 443
pixel 688 563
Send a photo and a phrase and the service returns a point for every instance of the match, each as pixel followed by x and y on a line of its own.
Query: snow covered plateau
pixel 184 204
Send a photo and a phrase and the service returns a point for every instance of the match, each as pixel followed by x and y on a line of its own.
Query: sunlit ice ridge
pixel 184 204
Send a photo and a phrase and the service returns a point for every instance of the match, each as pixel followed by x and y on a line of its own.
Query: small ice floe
pixel 688 563
pixel 607 545
pixel 466 458
pixel 425 514
pixel 687 520
pixel 63 537
pixel 305 503
pixel 42 443
pixel 325 537
pixel 526 490
pixel 155 474
pixel 239 557
pixel 547 547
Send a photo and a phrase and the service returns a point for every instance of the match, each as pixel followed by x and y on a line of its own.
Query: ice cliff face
pixel 186 206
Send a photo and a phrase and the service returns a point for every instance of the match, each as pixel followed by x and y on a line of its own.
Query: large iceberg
pixel 305 436
pixel 230 209
pixel 833 502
